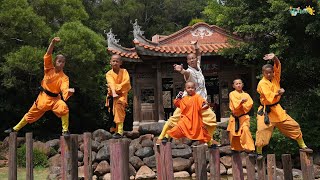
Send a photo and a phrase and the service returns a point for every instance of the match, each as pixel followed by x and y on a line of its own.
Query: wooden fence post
pixel 164 161
pixel 29 156
pixel 69 157
pixel 87 157
pixel 199 156
pixel 12 156
pixel 237 171
pixel 214 161
pixel 261 169
pixel 307 165
pixel 271 167
pixel 287 166
pixel 250 165
pixel 119 159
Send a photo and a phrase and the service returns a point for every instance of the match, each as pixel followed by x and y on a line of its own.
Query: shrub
pixel 39 158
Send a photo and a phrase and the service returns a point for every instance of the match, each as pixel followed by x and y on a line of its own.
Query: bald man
pixel 53 83
pixel 118 80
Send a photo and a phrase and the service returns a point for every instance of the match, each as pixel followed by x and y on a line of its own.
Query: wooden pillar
pixel 119 159
pixel 12 156
pixel 164 162
pixel 29 156
pixel 287 166
pixel 306 165
pixel 87 158
pixel 136 105
pixel 159 105
pixel 261 169
pixel 69 157
pixel 237 171
pixel 250 165
pixel 214 161
pixel 199 156
pixel 271 167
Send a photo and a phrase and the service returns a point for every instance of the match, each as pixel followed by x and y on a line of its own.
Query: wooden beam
pixel 271 167
pixel 69 157
pixel 164 161
pixel 119 159
pixel 214 161
pixel 250 165
pixel 287 166
pixel 237 171
pixel 29 156
pixel 306 165
pixel 199 156
pixel 12 156
pixel 261 169
pixel 87 158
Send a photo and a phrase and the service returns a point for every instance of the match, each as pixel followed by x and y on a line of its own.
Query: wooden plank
pixel 287 166
pixel 271 167
pixel 29 156
pixel 237 171
pixel 164 161
pixel 119 159
pixel 199 156
pixel 306 165
pixel 261 165
pixel 87 157
pixel 214 161
pixel 69 157
pixel 250 165
pixel 12 156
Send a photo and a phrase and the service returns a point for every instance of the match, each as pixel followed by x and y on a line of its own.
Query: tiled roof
pixel 183 48
pixel 132 54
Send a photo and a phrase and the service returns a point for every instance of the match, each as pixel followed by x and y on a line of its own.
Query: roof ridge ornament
pixel 111 37
pixel 137 29
pixel 201 32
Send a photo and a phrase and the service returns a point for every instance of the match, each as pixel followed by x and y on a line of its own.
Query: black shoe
pixel 10 130
pixel 164 140
pixel 66 133
pixel 213 146
pixel 252 154
pixel 259 157
pixel 116 136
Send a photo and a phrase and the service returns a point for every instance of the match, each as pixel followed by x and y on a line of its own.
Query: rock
pixel 184 153
pixel 146 136
pixel 136 162
pixel 147 143
pixel 103 154
pixel 104 143
pixel 132 150
pixel 55 160
pixel 226 161
pixel 80 156
pixel 193 168
pixel 80 139
pixel 80 164
pixel 54 173
pixel 297 173
pixel 181 175
pixel 131 177
pixel 243 156
pixel 42 147
pixel 316 171
pixel 102 168
pixel 181 164
pixel 225 150
pixel 223 169
pixel 132 171
pixel 93 156
pixel 95 146
pixel 152 128
pixel 144 152
pixel 55 144
pixel 81 172
pixel 101 135
pixel 145 173
pixel 132 134
pixel 316 158
pixel 229 171
pixel 94 165
pixel 94 177
pixel 150 161
pixel 107 176
pixel 224 137
pixel 222 125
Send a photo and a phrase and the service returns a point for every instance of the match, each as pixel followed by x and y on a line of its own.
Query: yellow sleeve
pixel 277 71
pixel 125 85
pixel 48 62
pixel 264 90
pixel 110 80
pixel 64 88
pixel 234 103
pixel 247 105
pixel 177 102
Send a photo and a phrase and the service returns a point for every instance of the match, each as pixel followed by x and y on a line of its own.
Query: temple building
pixel 154 82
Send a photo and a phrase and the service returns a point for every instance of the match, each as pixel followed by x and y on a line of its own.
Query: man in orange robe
pixel 53 83
pixel 190 124
pixel 239 124
pixel 270 112
pixel 118 80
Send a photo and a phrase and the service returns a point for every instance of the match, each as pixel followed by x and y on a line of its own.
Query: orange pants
pixel 288 127
pixel 45 103
pixel 241 140
pixel 119 112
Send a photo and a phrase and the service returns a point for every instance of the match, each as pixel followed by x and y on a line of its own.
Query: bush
pixel 39 158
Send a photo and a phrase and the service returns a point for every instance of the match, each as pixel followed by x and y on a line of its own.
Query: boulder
pixel 101 135
pixel 145 173
pixel 144 152
pixel 181 164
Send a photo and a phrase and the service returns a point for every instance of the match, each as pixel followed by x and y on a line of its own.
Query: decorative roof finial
pixel 137 29
pixel 111 37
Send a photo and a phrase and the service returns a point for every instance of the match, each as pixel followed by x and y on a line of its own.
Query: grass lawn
pixel 38 173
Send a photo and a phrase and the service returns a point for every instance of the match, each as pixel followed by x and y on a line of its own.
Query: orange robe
pixel 278 116
pixel 55 83
pixel 242 139
pixel 190 124
pixel 121 84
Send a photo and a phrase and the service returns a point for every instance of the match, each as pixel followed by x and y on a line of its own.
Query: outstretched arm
pixel 277 65
pixel 179 68
pixel 198 54
pixel 51 46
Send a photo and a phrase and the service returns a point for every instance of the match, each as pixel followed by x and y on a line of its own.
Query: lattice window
pixel 147 95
